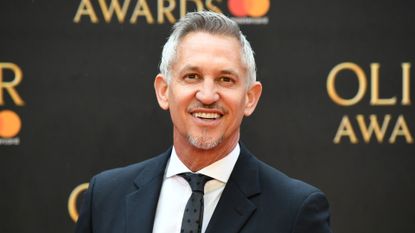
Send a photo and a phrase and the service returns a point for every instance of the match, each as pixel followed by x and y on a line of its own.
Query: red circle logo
pixel 253 8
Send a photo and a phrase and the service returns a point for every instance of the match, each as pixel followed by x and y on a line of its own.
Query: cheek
pixel 239 102
pixel 236 106
pixel 181 94
pixel 179 102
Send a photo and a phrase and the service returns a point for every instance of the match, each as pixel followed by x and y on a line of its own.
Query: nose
pixel 207 93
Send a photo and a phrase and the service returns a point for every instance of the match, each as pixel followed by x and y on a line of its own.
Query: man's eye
pixel 191 77
pixel 226 79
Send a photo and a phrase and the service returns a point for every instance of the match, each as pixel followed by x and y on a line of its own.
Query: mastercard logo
pixel 253 8
pixel 10 124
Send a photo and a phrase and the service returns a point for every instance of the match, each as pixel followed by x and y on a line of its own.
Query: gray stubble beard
pixel 203 142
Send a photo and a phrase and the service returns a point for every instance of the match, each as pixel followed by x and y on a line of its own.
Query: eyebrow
pixel 197 69
pixel 231 72
pixel 189 68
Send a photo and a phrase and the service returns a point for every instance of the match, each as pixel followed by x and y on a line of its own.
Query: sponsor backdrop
pixel 76 98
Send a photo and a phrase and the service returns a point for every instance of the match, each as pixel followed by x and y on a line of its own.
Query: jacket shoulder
pixel 124 177
pixel 305 207
pixel 274 179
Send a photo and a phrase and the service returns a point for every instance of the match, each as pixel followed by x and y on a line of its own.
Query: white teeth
pixel 206 115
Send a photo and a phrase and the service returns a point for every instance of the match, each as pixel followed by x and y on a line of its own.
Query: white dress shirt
pixel 175 191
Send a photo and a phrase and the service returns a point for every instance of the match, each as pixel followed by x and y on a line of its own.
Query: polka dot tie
pixel 193 213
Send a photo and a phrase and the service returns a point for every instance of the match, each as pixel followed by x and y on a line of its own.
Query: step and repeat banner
pixel 337 111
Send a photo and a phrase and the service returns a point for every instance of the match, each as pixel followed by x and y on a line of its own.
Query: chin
pixel 203 143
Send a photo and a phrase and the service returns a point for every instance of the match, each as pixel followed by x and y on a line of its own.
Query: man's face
pixel 207 95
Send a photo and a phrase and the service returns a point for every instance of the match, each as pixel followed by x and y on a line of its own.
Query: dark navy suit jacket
pixel 256 199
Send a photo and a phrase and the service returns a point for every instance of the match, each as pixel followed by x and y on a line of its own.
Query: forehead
pixel 198 39
pixel 203 47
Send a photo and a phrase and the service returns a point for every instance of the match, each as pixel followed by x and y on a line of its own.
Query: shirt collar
pixel 220 170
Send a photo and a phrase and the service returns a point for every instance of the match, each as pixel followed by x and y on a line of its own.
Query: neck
pixel 195 159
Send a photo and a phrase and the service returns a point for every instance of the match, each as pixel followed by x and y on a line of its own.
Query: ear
pixel 252 97
pixel 161 87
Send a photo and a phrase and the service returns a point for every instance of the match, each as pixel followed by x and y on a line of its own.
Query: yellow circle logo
pixel 10 124
pixel 73 199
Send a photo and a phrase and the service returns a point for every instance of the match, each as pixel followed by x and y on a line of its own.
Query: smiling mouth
pixel 206 115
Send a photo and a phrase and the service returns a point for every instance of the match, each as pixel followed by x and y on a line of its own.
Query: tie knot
pixel 196 181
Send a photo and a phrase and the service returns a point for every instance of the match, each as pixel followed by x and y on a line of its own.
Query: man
pixel 207 182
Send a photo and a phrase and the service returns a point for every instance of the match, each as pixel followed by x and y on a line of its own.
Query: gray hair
pixel 209 22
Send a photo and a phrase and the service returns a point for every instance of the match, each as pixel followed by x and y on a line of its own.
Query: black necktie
pixel 193 213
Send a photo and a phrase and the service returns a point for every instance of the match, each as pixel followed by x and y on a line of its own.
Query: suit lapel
pixel 235 207
pixel 141 204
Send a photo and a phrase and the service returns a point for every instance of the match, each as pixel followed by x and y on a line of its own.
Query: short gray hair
pixel 213 23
